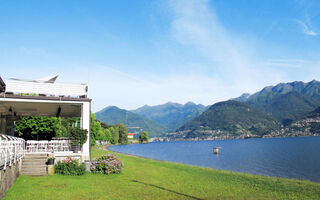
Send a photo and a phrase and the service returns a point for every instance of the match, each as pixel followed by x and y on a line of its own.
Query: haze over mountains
pixel 114 115
pixel 171 115
pixel 269 112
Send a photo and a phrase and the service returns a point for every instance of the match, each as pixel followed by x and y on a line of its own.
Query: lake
pixel 295 157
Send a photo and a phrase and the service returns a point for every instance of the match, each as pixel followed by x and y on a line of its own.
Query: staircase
pixel 34 165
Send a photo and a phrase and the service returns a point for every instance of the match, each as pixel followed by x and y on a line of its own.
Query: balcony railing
pixel 11 150
pixel 45 146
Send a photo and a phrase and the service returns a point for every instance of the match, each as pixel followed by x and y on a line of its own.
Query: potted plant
pixel 79 137
pixel 51 160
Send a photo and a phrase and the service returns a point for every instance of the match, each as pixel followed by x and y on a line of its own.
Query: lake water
pixel 296 157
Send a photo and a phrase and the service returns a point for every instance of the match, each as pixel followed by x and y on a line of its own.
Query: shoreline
pixel 143 178
pixel 209 168
pixel 306 178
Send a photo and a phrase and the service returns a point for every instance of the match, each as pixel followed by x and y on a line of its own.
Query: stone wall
pixel 8 176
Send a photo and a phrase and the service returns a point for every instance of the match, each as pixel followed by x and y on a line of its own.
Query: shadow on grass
pixel 165 189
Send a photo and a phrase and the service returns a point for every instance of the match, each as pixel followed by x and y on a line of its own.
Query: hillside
pixel 284 107
pixel 114 115
pixel 171 115
pixel 286 102
pixel 229 119
pixel 307 125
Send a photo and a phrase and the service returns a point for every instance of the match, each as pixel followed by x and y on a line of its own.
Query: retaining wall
pixel 8 176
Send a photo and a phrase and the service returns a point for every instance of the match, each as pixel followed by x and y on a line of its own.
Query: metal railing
pixel 11 150
pixel 45 146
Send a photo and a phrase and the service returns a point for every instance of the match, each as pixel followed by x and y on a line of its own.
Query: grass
pixel 150 179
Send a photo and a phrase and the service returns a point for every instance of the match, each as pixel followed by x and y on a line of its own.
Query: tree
pixel 107 135
pixel 143 137
pixel 37 128
pixel 96 129
pixel 115 135
pixel 123 133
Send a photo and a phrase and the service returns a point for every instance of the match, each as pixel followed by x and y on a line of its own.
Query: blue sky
pixel 133 53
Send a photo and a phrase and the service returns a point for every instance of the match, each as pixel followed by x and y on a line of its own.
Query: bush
pixel 107 164
pixel 70 167
pixel 78 135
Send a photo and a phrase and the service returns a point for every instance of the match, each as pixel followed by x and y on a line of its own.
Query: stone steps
pixel 34 165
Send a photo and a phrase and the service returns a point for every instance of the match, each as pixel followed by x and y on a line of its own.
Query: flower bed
pixel 70 166
pixel 107 164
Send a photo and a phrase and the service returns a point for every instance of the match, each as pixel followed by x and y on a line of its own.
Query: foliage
pixel 79 135
pixel 37 128
pixel 44 128
pixel 100 131
pixel 70 167
pixel 115 135
pixel 107 135
pixel 315 127
pixel 123 134
pixel 114 115
pixel 143 137
pixel 106 164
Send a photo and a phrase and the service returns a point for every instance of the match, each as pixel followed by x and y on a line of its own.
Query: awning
pixel 52 108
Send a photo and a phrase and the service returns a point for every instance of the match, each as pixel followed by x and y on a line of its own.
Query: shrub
pixel 70 167
pixel 107 164
pixel 79 135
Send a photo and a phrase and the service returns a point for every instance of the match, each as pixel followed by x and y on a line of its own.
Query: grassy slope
pixel 150 179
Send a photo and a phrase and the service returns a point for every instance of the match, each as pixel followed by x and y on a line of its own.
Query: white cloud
pixel 113 87
pixel 307 28
pixel 289 63
pixel 196 25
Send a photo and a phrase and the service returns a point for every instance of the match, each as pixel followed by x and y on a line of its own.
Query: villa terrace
pixel 41 97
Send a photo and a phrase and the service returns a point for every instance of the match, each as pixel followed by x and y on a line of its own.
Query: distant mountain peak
pixel 242 98
pixel 108 108
pixel 190 103
pixel 172 115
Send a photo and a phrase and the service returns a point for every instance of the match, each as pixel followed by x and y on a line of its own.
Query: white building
pixel 44 97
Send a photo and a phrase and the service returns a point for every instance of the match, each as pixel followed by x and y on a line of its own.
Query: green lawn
pixel 150 179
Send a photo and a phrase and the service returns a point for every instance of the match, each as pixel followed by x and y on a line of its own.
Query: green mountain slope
pixel 113 115
pixel 228 119
pixel 309 124
pixel 284 107
pixel 171 115
pixel 286 102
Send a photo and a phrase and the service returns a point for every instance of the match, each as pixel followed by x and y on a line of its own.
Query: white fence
pixel 11 150
pixel 34 146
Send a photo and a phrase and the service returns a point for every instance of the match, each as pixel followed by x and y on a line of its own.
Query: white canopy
pixel 16 86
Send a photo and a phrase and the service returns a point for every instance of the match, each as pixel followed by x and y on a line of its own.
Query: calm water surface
pixel 296 157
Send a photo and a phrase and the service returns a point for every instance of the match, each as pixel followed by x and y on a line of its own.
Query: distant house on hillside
pixel 130 135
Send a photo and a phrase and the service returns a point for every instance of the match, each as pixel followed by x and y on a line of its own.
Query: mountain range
pixel 286 102
pixel 229 118
pixel 273 111
pixel 171 115
pixel 135 123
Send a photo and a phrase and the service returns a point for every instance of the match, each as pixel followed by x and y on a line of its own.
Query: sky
pixel 133 53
